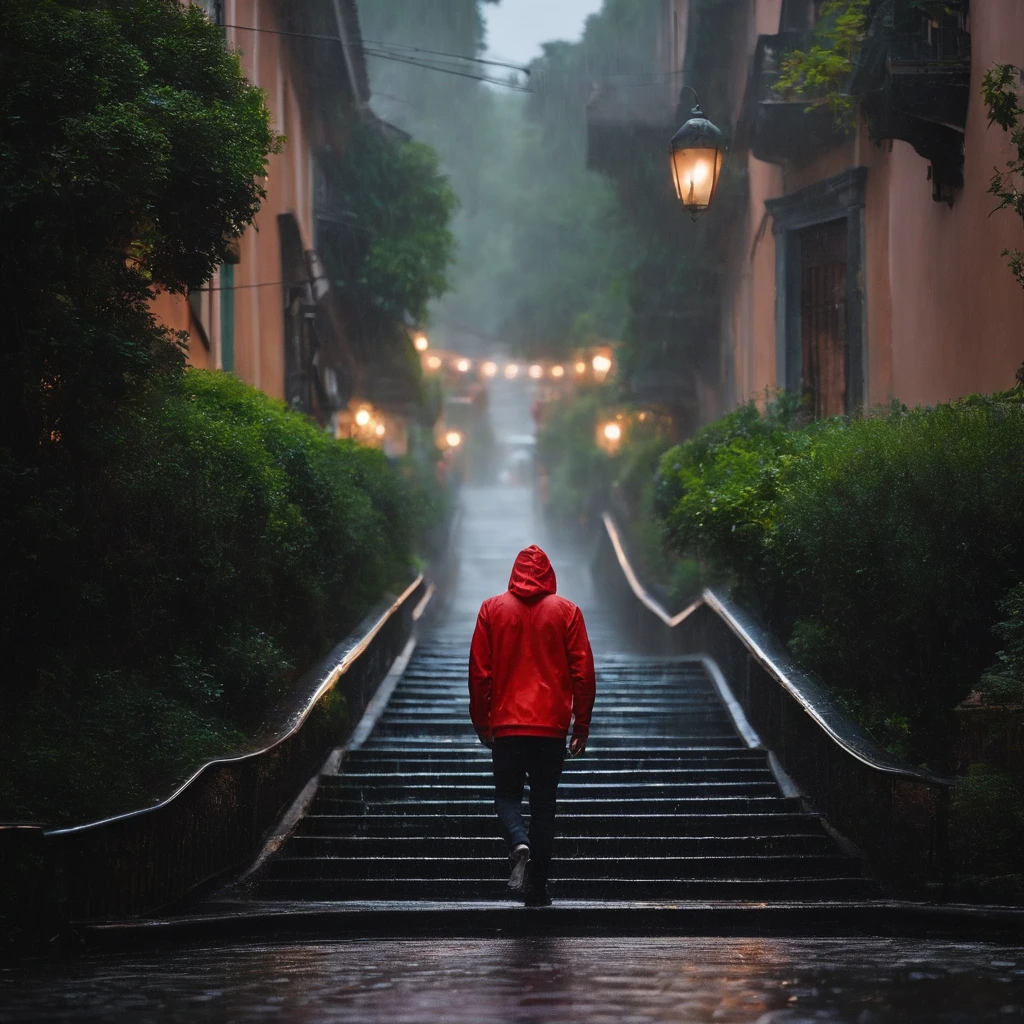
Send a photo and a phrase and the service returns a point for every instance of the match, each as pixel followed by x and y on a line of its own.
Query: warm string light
pixel 599 364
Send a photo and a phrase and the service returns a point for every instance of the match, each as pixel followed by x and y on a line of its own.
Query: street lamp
pixel 697 150
pixel 454 438
pixel 536 371
pixel 462 366
pixel 421 343
pixel 490 369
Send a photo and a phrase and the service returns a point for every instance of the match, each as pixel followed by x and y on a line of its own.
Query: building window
pixel 819 302
pixel 823 318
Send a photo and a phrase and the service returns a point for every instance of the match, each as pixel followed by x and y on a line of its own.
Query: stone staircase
pixel 667 804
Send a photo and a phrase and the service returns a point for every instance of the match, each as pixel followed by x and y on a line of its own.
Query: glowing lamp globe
pixel 697 151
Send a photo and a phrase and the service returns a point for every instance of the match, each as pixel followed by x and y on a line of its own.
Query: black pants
pixel 514 759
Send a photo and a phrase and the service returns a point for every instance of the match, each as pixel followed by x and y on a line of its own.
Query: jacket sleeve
pixel 581 671
pixel 480 679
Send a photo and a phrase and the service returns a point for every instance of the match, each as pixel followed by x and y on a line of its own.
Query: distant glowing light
pixel 462 366
pixel 421 343
pixel 581 367
pixel 434 362
pixel 557 371
pixel 601 364
pixel 536 371
pixel 612 431
pixel 379 429
pixel 511 371
pixel 490 369
pixel 363 417
pixel 454 438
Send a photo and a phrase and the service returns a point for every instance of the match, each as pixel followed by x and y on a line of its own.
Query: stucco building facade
pixel 863 266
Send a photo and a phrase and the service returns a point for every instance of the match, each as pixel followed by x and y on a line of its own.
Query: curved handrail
pixel 807 694
pixel 636 586
pixel 328 683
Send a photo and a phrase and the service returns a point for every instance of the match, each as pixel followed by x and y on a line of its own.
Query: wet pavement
pixel 547 981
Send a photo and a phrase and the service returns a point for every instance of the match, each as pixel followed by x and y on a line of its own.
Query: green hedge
pixel 171 592
pixel 877 547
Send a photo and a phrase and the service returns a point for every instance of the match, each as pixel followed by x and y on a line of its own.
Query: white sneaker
pixel 518 858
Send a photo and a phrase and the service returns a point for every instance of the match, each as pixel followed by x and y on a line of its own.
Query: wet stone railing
pixel 216 823
pixel 895 814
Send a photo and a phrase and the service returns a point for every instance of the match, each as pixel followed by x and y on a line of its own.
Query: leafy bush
pixel 878 547
pixel 986 836
pixel 1003 683
pixel 168 601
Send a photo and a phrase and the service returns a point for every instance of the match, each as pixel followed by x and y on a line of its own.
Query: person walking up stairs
pixel 531 678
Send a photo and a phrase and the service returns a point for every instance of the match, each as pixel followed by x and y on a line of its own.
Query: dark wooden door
pixel 823 318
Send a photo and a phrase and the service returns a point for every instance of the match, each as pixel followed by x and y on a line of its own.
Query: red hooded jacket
pixel 531 669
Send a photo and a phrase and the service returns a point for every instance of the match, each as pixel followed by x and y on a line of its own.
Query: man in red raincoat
pixel 531 677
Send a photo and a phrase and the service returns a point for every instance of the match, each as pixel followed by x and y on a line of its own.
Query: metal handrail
pixel 807 694
pixel 328 683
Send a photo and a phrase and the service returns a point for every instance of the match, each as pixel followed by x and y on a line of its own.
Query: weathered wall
pixel 957 314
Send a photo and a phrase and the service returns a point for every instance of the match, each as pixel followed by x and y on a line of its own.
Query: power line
pixel 446 71
pixel 384 55
pixel 443 53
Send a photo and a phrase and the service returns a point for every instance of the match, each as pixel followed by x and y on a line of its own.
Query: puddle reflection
pixel 533 981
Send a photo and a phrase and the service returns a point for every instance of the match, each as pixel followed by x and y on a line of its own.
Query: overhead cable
pixel 386 55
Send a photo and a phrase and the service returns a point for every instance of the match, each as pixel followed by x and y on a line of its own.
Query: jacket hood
pixel 532 575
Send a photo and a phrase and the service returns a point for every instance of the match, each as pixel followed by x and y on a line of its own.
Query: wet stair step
pixel 445 825
pixel 624 887
pixel 496 866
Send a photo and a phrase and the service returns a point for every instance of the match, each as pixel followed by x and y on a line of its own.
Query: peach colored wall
pixel 944 315
pixel 957 313
pixel 259 294
pixel 750 290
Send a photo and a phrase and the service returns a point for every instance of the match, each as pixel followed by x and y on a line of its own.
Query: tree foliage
pixel 1002 99
pixel 134 151
pixel 178 545
pixel 820 72
pixel 392 247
